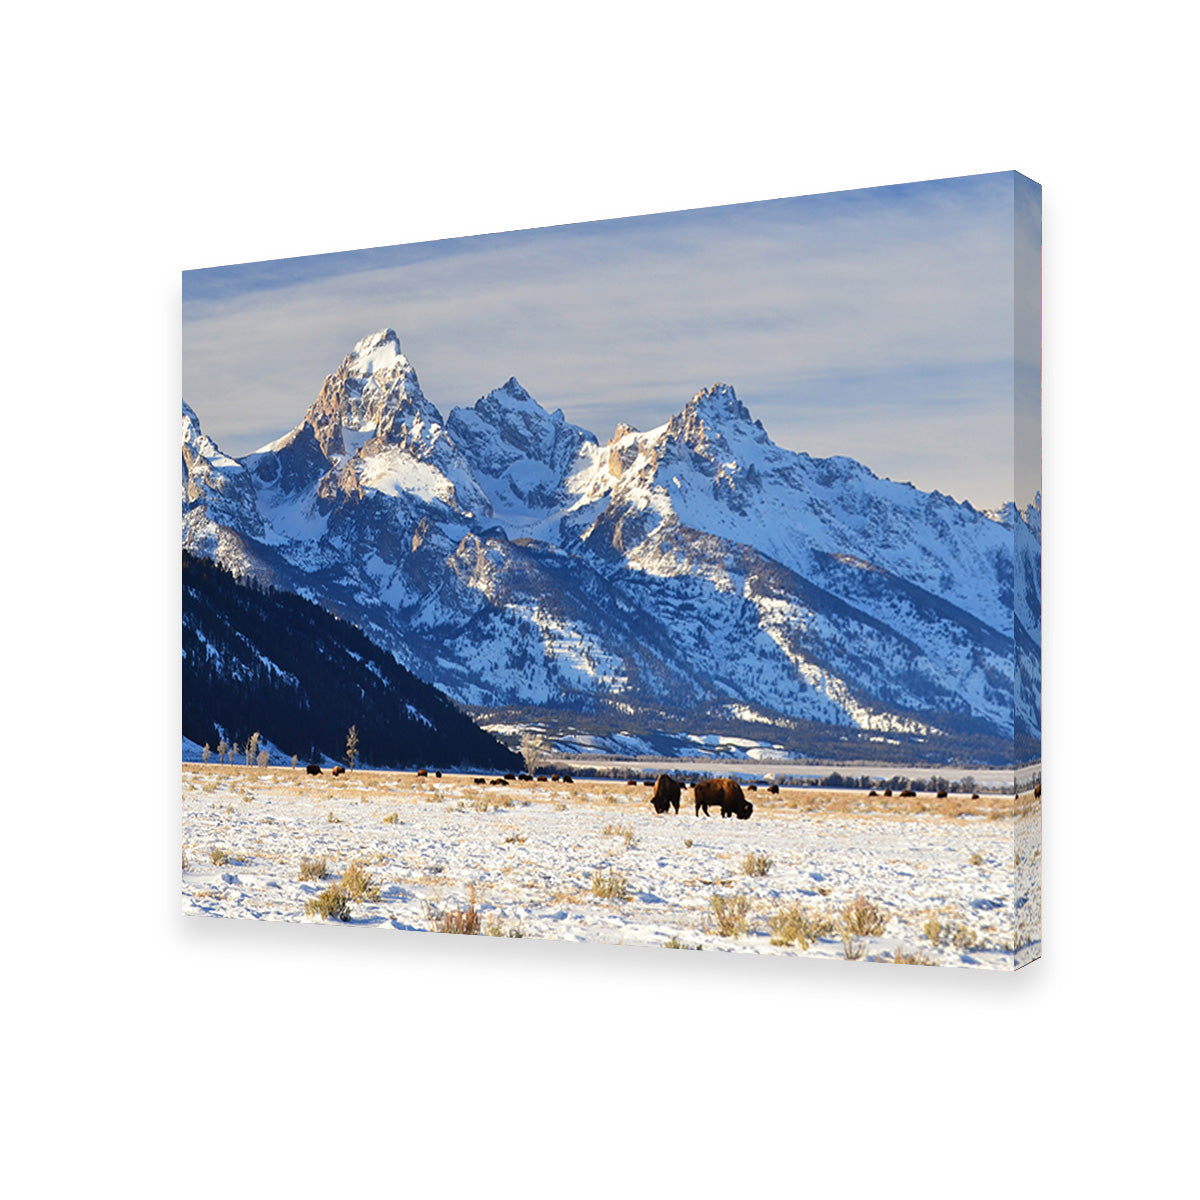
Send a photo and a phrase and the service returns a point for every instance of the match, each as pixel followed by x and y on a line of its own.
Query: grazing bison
pixel 631 783
pixel 941 795
pixel 480 779
pixel 774 789
pixel 907 794
pixel 752 787
pixel 872 793
pixel 339 771
pixel 313 769
pixel 566 779
pixel 726 793
pixel 422 773
pixel 887 791
pixel 666 794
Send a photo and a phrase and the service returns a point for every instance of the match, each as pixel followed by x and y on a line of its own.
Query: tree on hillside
pixel 533 751
pixel 352 746
pixel 252 748
pixel 222 750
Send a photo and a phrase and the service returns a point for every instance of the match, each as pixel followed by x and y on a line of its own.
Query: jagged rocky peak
pixel 713 414
pixel 375 391
pixel 509 424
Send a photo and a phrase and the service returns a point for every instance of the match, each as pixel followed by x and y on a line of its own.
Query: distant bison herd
pixel 724 794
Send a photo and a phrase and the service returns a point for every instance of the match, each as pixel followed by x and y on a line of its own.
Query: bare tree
pixel 352 746
pixel 295 760
pixel 533 751
pixel 252 747
pixel 206 753
pixel 264 757
pixel 222 750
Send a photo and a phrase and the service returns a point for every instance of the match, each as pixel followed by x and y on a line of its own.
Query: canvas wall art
pixel 671 581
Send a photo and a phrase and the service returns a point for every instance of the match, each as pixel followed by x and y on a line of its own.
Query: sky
pixel 876 323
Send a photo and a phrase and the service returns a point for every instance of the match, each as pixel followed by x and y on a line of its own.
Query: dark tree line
pixel 260 660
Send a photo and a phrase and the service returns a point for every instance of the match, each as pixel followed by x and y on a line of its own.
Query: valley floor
pixel 591 861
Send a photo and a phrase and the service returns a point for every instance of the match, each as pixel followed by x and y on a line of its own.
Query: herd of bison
pixel 725 794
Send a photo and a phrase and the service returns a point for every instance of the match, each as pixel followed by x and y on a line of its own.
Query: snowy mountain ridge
pixel 693 574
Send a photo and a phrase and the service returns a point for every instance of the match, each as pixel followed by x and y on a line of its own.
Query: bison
pixel 339 770
pixel 666 794
pixel 422 773
pixel 726 793
pixel 566 779
pixel 942 795
pixel 774 789
pixel 313 769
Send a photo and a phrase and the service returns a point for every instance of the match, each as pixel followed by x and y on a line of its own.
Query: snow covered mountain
pixel 694 577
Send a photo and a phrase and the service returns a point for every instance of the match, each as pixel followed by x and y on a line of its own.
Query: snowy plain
pixel 533 859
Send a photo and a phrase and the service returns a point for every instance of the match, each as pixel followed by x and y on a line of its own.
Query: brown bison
pixel 313 769
pixel 774 789
pixel 666 794
pixel 724 792
pixel 339 770
pixel 422 773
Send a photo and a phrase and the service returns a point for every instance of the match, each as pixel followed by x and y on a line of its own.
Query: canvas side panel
pixel 1027 561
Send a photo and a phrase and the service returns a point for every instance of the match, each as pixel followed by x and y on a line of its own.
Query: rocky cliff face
pixel 693 573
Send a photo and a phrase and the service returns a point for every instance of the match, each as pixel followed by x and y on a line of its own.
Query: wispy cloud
pixel 877 324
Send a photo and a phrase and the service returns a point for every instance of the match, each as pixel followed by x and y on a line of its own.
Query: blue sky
pixel 876 323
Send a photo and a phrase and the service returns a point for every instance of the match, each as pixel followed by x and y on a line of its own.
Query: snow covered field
pixel 591 861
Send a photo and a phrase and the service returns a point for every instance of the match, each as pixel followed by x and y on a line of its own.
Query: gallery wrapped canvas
pixel 689 598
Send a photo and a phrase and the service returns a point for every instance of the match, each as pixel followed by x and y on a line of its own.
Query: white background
pixel 217 1058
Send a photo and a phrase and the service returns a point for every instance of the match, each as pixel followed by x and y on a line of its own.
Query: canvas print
pixel 671 581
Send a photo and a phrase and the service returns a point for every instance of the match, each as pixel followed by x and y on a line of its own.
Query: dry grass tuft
pixel 795 925
pixel 863 919
pixel 218 857
pixel 332 902
pixel 757 865
pixel 731 914
pixel 904 958
pixel 392 819
pixel 610 886
pixel 621 831
pixel 358 883
pixel 466 920
pixel 313 868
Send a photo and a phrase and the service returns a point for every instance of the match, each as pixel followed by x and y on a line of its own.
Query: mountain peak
pixel 714 414
pixel 718 399
pixel 382 348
